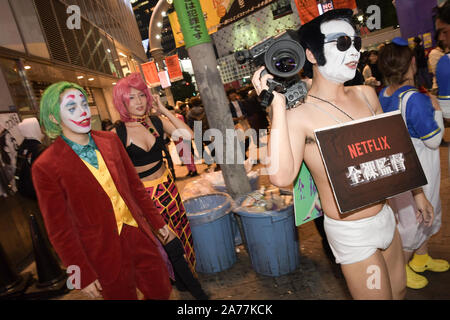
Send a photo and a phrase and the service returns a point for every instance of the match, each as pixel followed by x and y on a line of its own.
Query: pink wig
pixel 121 94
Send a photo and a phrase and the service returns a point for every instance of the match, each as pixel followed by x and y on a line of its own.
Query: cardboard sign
pixel 369 160
pixel 306 198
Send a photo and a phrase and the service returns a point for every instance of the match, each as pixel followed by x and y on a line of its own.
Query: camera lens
pixel 284 58
pixel 285 63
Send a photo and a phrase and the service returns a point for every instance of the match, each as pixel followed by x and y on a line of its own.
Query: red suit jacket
pixel 77 212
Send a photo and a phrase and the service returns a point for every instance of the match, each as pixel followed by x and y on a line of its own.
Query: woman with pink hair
pixel 142 136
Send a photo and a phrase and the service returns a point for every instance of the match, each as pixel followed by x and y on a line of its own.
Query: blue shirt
pixel 87 152
pixel 419 112
pixel 443 77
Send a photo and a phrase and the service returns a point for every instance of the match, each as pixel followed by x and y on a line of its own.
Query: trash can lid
pixel 207 208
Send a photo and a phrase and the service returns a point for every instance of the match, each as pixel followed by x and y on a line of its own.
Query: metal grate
pixel 88 46
pixel 52 32
pixel 68 35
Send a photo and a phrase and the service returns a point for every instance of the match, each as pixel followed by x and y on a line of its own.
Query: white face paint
pixel 74 111
pixel 340 66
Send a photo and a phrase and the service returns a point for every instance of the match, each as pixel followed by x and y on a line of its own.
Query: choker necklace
pixel 138 118
pixel 142 121
pixel 332 105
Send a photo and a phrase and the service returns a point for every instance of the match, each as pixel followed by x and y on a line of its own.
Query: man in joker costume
pixel 365 237
pixel 96 211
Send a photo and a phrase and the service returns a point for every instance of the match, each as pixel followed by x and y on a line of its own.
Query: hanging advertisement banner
pixel 164 79
pixel 415 17
pixel 212 21
pixel 150 74
pixel 233 10
pixel 369 160
pixel 309 9
pixel 192 22
pixel 173 68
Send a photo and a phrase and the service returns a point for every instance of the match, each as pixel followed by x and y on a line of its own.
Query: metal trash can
pixel 210 221
pixel 272 239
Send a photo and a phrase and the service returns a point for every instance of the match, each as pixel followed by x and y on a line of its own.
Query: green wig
pixel 50 106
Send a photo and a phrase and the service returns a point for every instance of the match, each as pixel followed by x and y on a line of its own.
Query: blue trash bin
pixel 210 220
pixel 272 240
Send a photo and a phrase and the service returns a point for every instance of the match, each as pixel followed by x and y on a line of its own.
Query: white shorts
pixel 355 241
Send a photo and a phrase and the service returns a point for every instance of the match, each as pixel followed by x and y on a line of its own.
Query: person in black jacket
pixel 30 148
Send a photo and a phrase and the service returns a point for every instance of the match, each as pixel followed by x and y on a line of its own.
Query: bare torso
pixel 315 114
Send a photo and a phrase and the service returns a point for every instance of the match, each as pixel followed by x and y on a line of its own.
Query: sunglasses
pixel 343 43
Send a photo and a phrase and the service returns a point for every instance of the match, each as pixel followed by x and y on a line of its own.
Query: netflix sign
pixel 369 160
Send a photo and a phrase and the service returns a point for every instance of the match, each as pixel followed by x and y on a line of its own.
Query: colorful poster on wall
pixel 369 160
pixel 150 74
pixel 173 68
pixel 309 9
pixel 10 140
pixel 306 198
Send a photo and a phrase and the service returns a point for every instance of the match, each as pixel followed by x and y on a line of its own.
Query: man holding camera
pixel 366 237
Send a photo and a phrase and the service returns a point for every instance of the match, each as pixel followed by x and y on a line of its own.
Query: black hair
pixel 106 123
pixel 4 155
pixel 230 91
pixel 443 12
pixel 195 102
pixel 313 39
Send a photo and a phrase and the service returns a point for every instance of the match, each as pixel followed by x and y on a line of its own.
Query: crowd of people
pixel 111 206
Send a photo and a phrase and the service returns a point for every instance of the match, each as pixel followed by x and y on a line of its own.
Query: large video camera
pixel 283 57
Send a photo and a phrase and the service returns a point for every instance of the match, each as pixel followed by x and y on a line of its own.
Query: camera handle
pixel 266 96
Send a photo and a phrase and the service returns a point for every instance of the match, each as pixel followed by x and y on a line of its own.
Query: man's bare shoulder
pixel 370 94
pixel 300 113
pixel 301 121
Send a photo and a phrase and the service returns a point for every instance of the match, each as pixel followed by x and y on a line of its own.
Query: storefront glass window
pixel 9 35
pixel 18 93
pixel 30 27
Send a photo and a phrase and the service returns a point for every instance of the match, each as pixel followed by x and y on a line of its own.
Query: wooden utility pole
pixel 201 52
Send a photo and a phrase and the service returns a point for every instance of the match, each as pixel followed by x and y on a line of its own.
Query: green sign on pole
pixel 192 22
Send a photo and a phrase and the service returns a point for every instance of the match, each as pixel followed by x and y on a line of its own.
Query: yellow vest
pixel 121 211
